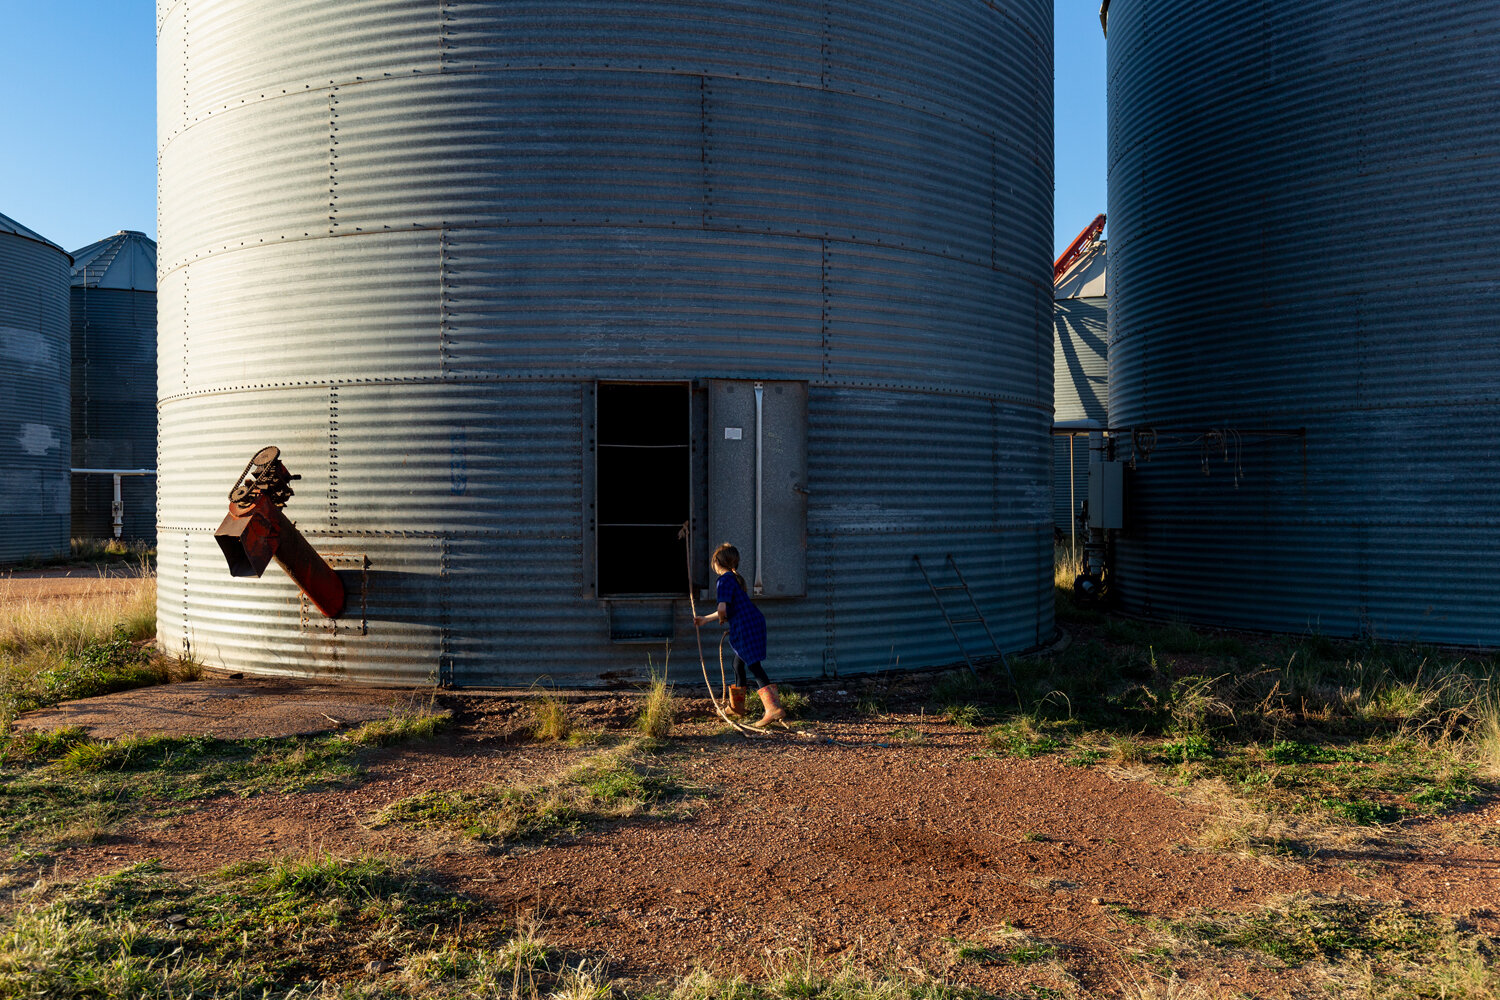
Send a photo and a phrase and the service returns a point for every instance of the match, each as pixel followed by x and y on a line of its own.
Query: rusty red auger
pixel 255 531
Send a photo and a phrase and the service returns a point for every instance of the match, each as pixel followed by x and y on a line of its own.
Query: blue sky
pixel 78 108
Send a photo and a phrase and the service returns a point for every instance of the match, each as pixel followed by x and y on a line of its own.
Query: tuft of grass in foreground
pixel 798 977
pixel 353 927
pixel 1361 947
pixel 658 709
pixel 255 929
pixel 411 724
pixel 64 787
pixel 610 785
pixel 1012 947
pixel 550 719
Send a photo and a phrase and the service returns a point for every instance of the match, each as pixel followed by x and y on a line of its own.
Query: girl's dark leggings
pixel 739 673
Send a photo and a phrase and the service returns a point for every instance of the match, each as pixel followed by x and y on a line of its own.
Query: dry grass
pixel 77 637
pixel 53 627
pixel 1486 737
pixel 550 720
pixel 1067 564
pixel 658 709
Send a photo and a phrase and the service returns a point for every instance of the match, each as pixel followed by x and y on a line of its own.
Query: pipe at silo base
pixel 252 534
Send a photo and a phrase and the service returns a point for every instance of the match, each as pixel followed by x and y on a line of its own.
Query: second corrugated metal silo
pixel 1080 318
pixel 114 385
pixel 34 389
pixel 518 288
pixel 1303 312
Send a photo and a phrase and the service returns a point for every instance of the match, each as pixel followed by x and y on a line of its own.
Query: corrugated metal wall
pixel 1301 211
pixel 114 388
pixel 527 197
pixel 34 431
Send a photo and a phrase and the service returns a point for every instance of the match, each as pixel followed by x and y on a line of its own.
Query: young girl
pixel 747 634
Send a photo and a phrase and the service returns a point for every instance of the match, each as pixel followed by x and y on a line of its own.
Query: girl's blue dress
pixel 747 626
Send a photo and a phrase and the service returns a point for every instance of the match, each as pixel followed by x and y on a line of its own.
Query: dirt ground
pixel 839 839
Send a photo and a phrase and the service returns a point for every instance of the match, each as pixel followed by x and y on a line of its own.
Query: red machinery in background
pixel 255 531
pixel 1082 242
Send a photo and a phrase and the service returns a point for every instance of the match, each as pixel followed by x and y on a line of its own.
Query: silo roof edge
pixel 126 260
pixel 9 225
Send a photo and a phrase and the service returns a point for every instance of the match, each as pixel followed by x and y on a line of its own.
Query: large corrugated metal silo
pixel 518 288
pixel 1080 318
pixel 114 385
pixel 1303 310
pixel 34 387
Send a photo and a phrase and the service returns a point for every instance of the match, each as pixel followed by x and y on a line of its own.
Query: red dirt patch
pixel 843 841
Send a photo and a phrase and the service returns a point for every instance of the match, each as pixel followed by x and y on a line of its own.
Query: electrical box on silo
pixel 1107 496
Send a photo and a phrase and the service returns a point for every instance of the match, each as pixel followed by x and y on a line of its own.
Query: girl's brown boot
pixel 774 711
pixel 736 701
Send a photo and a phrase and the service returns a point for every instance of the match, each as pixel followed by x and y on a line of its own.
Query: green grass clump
pixel 1350 946
pixel 965 716
pixel 1304 928
pixel 795 703
pixel 412 724
pixel 798 977
pixel 1022 738
pixel 550 720
pixel 658 711
pixel 66 787
pixel 610 785
pixel 256 929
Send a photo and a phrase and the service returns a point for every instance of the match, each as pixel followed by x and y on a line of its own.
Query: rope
pixel 744 730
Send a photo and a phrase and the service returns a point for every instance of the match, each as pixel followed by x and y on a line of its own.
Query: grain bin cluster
pixel 540 302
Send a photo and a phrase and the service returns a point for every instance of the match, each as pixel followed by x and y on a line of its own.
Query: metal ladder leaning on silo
pixel 953 623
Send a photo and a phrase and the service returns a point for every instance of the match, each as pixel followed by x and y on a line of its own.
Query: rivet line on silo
pixel 333 457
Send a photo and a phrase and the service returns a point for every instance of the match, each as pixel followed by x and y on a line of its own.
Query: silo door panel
pixel 757 481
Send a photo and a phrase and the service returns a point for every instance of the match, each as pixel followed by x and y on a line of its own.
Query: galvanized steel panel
pixel 408 282
pixel 1354 302
pixel 757 469
pixel 34 422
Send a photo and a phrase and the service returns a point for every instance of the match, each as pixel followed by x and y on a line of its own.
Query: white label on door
pixel 733 434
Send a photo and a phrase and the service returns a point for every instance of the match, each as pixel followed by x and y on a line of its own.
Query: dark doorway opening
pixel 643 481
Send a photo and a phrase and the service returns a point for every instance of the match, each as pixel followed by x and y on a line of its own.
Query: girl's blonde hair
pixel 728 556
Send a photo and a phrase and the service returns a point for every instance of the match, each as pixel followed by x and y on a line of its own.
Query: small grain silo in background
pixel 1303 314
pixel 34 389
pixel 1080 316
pixel 520 288
pixel 114 388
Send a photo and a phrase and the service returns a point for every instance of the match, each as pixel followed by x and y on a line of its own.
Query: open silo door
pixel 757 481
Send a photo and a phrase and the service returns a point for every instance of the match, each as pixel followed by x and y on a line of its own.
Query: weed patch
pixel 412 724
pixel 611 785
pixel 1357 947
pixel 64 787
pixel 658 710
pixel 549 718
pixel 259 928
